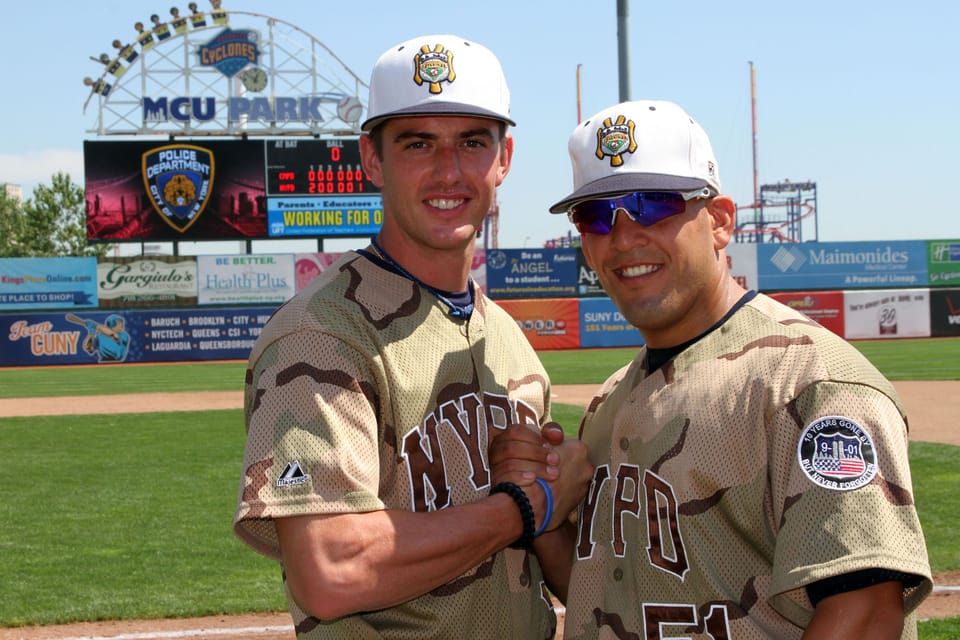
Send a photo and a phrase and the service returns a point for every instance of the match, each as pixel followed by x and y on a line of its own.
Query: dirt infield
pixel 931 407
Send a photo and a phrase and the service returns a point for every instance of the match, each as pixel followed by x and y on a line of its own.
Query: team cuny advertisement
pixel 122 335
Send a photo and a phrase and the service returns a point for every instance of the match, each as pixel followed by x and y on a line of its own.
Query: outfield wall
pixel 176 308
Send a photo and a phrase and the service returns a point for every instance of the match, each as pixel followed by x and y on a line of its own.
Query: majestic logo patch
pixel 292 475
pixel 433 67
pixel 614 138
pixel 178 179
pixel 837 453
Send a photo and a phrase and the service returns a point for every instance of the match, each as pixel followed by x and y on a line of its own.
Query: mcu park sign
pixel 235 53
pixel 238 109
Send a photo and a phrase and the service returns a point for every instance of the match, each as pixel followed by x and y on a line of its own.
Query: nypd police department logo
pixel 178 179
pixel 614 138
pixel 837 453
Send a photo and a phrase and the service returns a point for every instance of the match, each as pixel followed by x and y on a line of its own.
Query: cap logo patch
pixel 837 453
pixel 614 138
pixel 433 67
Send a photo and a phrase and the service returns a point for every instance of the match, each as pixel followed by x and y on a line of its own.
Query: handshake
pixel 546 474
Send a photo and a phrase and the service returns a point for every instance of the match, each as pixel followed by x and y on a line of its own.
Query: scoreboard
pixel 209 189
pixel 316 167
pixel 317 187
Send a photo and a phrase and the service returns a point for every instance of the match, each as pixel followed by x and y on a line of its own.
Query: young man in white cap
pixel 751 474
pixel 372 395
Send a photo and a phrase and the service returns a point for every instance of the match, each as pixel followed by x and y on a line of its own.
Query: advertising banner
pixel 478 268
pixel 154 281
pixel 742 262
pixel 945 312
pixel 602 325
pixel 588 284
pixel 48 283
pixel 325 217
pixel 258 279
pixel 94 337
pixel 824 307
pixel 531 273
pixel 900 313
pixel 842 265
pixel 547 324
pixel 309 265
pixel 944 263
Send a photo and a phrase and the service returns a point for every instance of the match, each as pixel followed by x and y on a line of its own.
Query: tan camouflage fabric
pixel 701 523
pixel 362 393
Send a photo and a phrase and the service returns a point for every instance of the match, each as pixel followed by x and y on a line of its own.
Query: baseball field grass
pixel 925 359
pixel 128 516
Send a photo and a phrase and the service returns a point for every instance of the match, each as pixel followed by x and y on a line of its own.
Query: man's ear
pixel 723 212
pixel 371 160
pixel 506 157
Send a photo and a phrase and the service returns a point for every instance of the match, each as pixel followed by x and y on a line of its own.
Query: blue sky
pixel 861 98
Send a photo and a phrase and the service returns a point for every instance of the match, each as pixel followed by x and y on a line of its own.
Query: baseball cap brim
pixel 437 108
pixel 621 183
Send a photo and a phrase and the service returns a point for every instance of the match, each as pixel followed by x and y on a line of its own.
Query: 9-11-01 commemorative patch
pixel 837 453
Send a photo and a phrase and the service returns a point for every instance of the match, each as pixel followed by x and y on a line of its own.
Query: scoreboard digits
pixel 329 167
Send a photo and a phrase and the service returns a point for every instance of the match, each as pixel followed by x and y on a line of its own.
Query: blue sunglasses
pixel 643 207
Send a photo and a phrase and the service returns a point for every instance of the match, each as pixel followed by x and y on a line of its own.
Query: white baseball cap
pixel 643 145
pixel 437 75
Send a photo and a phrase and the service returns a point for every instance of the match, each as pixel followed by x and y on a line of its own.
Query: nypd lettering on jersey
pixel 837 453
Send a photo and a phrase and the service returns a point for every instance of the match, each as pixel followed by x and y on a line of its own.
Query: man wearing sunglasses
pixel 751 476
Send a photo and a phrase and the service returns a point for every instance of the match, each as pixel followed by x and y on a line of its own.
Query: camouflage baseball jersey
pixel 362 394
pixel 766 456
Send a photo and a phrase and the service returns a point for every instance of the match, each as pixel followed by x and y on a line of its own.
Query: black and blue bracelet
pixel 526 513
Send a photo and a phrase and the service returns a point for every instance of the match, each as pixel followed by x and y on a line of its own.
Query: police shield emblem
pixel 433 67
pixel 614 138
pixel 836 453
pixel 178 179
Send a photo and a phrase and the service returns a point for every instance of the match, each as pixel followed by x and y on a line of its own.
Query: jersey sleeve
pixel 842 494
pixel 312 442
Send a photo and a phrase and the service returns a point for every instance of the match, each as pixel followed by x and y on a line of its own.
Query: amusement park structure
pixel 781 212
pixel 223 73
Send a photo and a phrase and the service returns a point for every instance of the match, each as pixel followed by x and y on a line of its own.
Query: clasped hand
pixel 522 453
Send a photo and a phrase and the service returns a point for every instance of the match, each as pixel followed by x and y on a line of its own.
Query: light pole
pixel 622 50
